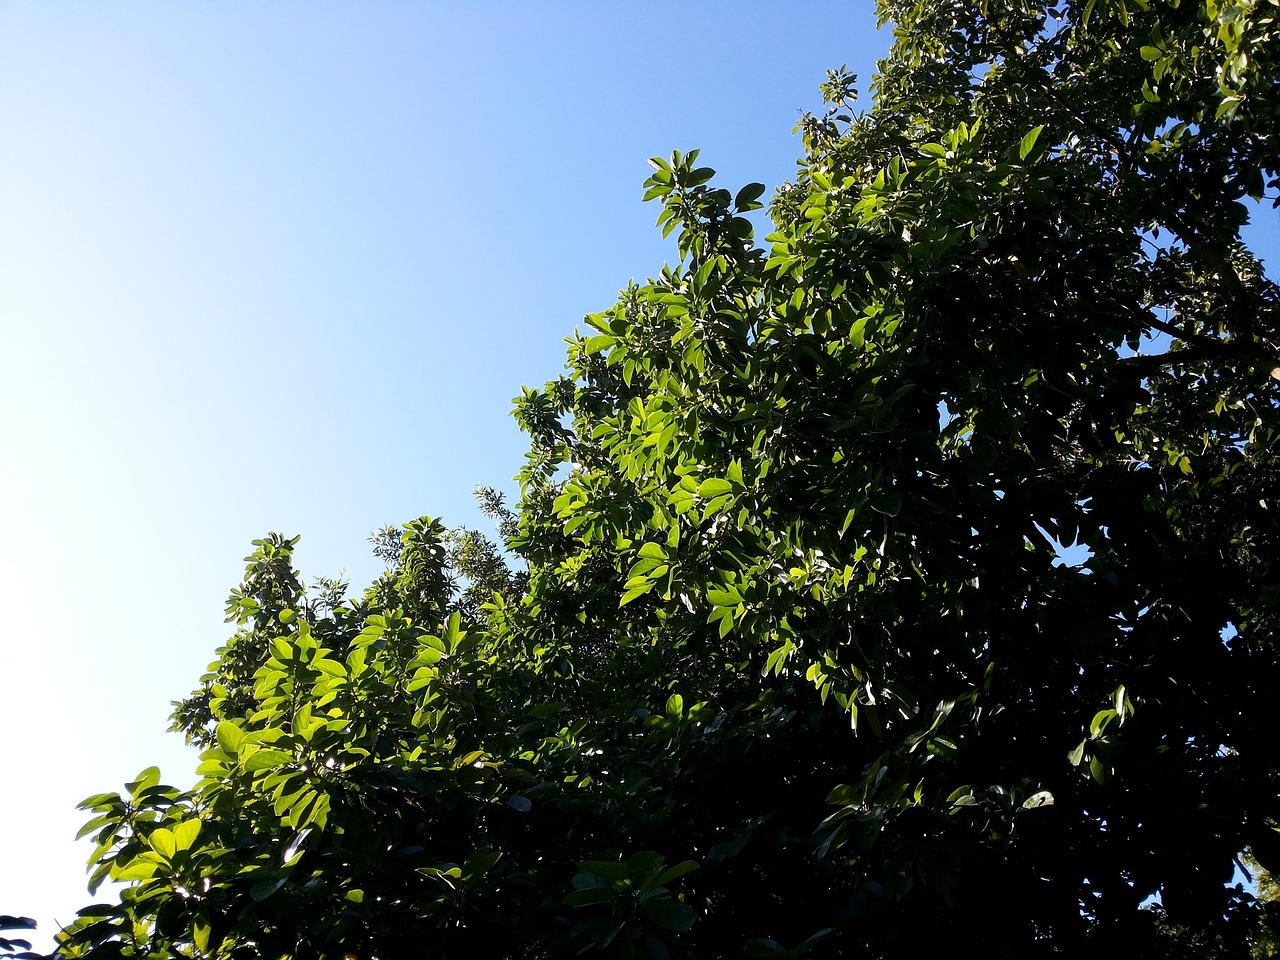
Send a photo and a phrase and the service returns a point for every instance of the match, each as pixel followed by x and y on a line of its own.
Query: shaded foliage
pixel 14 947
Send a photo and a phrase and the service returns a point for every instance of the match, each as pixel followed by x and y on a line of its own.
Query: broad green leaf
pixel 653 551
pixel 590 895
pixel 1101 720
pixel 669 914
pixel 261 891
pixel 1042 798
pixel 1076 756
pixel 136 870
pixel 200 932
pixel 746 197
pixel 714 487
pixel 163 843
pixel 266 759
pixel 724 598
pixel 1029 142
pixel 332 668
pixel 185 834
pixel 229 737
pixel 604 869
pixel 637 591
pixel 672 873
pixel 145 780
pixel 599 343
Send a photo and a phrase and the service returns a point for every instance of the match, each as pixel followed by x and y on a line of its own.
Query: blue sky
pixel 282 267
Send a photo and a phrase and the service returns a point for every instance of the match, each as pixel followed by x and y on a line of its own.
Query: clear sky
pixel 282 267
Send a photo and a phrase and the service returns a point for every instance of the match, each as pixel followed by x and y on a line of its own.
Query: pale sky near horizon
pixel 282 267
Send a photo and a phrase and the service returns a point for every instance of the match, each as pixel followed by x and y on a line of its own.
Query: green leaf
pixel 605 869
pixel 724 598
pixel 1097 770
pixel 1042 798
pixel 714 487
pixel 94 825
pixel 200 932
pixel 266 759
pixel 590 895
pixel 669 914
pixel 1029 142
pixel 145 780
pixel 653 551
pixel 229 737
pixel 675 706
pixel 332 668
pixel 747 197
pixel 101 801
pixel 136 870
pixel 163 843
pixel 1101 720
pixel 261 891
pixel 453 632
pixel 599 343
pixel 639 590
pixel 734 474
pixel 672 873
pixel 185 834
pixel 848 519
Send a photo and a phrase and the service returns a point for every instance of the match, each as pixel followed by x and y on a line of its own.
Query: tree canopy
pixel 907 580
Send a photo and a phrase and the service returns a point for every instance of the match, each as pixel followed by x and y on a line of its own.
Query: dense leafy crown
pixel 798 660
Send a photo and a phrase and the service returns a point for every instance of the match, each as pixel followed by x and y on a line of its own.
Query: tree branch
pixel 1156 361
pixel 1188 336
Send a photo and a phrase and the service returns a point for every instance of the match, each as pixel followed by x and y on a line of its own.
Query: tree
pixel 909 583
